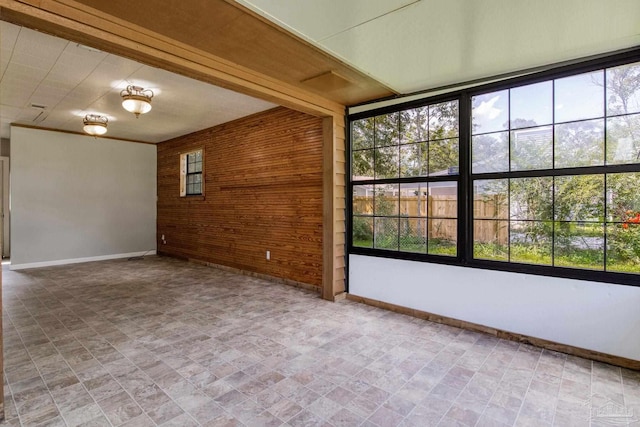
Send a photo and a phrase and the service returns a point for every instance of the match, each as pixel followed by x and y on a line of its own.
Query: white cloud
pixel 486 108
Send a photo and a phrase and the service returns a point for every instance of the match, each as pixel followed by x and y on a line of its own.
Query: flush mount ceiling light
pixel 95 124
pixel 136 100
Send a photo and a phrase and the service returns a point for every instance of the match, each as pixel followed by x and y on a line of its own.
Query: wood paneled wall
pixel 263 191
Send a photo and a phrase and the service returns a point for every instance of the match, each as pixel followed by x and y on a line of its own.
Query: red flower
pixel 625 225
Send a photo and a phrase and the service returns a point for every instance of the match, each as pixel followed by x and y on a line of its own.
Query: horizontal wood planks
pixel 263 191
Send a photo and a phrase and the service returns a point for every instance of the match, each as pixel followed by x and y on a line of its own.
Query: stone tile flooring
pixel 164 342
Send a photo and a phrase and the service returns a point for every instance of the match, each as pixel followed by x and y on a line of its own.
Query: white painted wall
pixel 589 315
pixel 77 198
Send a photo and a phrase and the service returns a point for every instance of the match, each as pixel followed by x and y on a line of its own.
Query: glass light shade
pixel 95 129
pixel 136 104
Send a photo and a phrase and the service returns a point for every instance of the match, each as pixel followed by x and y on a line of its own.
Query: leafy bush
pixel 362 229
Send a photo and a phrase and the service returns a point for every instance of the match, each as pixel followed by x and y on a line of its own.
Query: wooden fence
pixel 491 213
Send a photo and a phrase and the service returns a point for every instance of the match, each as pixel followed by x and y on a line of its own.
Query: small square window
pixel 191 181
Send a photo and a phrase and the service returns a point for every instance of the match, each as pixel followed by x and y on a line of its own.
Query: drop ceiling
pixel 49 82
pixel 417 45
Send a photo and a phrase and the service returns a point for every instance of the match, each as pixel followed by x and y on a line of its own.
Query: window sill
pixel 193 198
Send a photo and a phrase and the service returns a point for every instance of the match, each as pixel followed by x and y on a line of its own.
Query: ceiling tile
pixel 8 36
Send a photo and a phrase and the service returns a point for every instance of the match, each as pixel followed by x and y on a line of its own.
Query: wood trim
pixel 333 212
pixel 19 125
pixel 80 23
pixel 499 333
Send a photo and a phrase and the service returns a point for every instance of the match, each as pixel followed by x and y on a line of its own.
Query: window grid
pixel 194 173
pixel 598 222
pixel 404 173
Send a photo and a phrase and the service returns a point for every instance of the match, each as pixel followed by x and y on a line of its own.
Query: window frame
pixel 465 243
pixel 184 173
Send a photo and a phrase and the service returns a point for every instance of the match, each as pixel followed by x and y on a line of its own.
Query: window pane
pixel 623 234
pixel 414 198
pixel 531 105
pixel 413 160
pixel 490 153
pixel 443 157
pixel 386 200
pixel 579 245
pixel 443 200
pixel 362 164
pixel 189 179
pixel 198 156
pixel 198 167
pixel 490 199
pixel 579 97
pixel 363 199
pixel 579 144
pixel 623 89
pixel 386 162
pixel 191 167
pixel 414 125
pixel 387 129
pixel 531 242
pixel 532 148
pixel 443 120
pixel 197 188
pixel 413 235
pixel 362 232
pixel 490 112
pixel 443 237
pixel 623 197
pixel 623 139
pixel 362 133
pixel 623 247
pixel 490 239
pixel 531 198
pixel 386 233
pixel 579 198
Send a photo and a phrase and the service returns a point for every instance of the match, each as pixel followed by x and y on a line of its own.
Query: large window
pixel 405 180
pixel 537 175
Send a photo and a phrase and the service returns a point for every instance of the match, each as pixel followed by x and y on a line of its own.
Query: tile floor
pixel 164 342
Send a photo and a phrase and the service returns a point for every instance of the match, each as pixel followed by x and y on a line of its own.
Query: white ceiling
pixel 72 81
pixel 416 45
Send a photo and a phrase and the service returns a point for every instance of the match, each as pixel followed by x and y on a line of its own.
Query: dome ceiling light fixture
pixel 95 124
pixel 136 100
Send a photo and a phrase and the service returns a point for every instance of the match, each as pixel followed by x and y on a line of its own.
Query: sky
pixel 576 98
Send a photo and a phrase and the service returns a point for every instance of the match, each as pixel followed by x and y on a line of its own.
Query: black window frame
pixel 465 242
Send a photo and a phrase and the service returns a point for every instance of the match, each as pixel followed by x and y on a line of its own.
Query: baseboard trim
pixel 499 333
pixel 78 260
pixel 288 282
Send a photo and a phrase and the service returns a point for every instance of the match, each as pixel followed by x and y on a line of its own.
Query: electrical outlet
pixel 268 255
